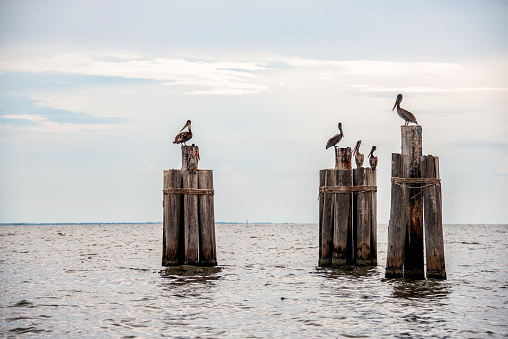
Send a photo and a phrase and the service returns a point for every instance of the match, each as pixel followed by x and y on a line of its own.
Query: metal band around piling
pixel 347 189
pixel 422 181
pixel 196 191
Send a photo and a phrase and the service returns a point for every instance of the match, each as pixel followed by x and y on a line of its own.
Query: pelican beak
pixel 186 125
pixel 357 147
pixel 399 99
pixel 372 151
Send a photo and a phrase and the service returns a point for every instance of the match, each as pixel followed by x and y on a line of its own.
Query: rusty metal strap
pixel 426 182
pixel 347 189
pixel 434 181
pixel 198 191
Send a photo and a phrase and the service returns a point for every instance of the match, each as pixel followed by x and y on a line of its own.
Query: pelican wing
pixel 406 115
pixel 182 137
pixel 333 140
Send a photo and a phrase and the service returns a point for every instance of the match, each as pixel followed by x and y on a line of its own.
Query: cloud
pixel 372 67
pixel 503 170
pixel 224 78
pixel 427 90
pixel 479 143
pixel 39 116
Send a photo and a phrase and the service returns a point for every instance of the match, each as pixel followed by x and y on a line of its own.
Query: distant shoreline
pixel 160 223
pixel 120 223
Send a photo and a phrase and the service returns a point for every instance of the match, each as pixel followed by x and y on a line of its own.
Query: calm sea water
pixel 90 281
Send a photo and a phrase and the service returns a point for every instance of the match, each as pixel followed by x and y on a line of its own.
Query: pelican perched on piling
pixel 182 137
pixel 372 158
pixel 359 157
pixel 333 141
pixel 406 115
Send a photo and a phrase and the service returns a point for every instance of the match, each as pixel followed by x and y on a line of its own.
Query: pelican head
pixel 357 147
pixel 187 124
pixel 371 154
pixel 340 128
pixel 397 102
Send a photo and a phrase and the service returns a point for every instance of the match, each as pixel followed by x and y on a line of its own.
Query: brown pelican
pixel 182 137
pixel 358 156
pixel 406 115
pixel 373 158
pixel 333 141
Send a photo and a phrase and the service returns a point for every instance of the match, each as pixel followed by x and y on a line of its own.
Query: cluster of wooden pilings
pixel 416 205
pixel 347 214
pixel 188 221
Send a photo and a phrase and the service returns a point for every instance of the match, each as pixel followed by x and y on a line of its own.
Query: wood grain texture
pixel 414 251
pixel 372 181
pixel 327 178
pixel 171 223
pixel 411 141
pixel 207 249
pixel 432 204
pixel 190 216
pixel 343 158
pixel 342 220
pixel 399 218
pixel 362 216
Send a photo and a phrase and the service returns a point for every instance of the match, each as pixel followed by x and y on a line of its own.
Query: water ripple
pixel 105 281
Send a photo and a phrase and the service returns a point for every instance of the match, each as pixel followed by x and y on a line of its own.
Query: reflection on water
pixel 85 281
pixel 348 271
pixel 420 289
pixel 185 274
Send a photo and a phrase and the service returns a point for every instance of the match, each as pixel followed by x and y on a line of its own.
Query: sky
pixel 92 94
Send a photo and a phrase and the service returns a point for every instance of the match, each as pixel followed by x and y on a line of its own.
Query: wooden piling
pixel 363 208
pixel 411 143
pixel 342 216
pixel 434 241
pixel 207 250
pixel 190 158
pixel 171 220
pixel 372 181
pixel 342 219
pixel 343 158
pixel 326 224
pixel 414 258
pixel 399 218
pixel 416 202
pixel 188 221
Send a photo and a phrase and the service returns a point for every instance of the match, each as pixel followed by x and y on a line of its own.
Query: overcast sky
pixel 92 94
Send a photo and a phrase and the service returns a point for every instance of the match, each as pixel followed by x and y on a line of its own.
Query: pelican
pixel 333 141
pixel 406 115
pixel 373 158
pixel 182 137
pixel 358 156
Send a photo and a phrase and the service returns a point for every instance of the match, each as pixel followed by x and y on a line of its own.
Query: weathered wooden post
pixel 372 182
pixel 207 251
pixel 326 179
pixel 172 204
pixel 414 184
pixel 342 214
pixel 432 205
pixel 413 261
pixel 399 218
pixel 188 222
pixel 364 217
pixel 341 238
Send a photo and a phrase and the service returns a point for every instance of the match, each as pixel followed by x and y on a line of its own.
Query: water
pixel 90 281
